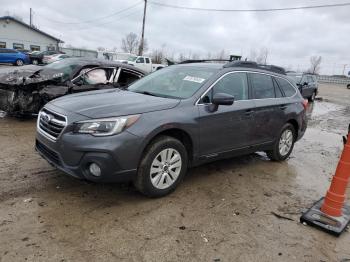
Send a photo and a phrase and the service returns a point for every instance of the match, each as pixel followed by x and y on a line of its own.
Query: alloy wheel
pixel 165 168
pixel 19 62
pixel 286 142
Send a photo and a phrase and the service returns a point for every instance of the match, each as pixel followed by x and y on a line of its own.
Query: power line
pixel 93 20
pixel 248 10
pixel 110 22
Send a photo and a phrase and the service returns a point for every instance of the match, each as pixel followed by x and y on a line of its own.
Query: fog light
pixel 94 169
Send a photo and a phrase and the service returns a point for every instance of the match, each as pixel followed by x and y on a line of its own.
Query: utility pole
pixel 30 17
pixel 143 30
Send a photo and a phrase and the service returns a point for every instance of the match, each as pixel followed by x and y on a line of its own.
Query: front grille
pixel 51 124
pixel 47 152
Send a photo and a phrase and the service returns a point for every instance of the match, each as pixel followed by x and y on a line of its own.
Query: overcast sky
pixel 291 36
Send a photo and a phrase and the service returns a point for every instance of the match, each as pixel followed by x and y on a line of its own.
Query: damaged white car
pixel 25 91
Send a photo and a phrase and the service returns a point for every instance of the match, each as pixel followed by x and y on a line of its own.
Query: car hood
pixel 112 102
pixel 28 75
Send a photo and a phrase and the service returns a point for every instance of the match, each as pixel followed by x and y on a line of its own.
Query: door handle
pixel 283 107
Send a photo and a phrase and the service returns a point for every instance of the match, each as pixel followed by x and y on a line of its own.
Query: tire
pixel 35 62
pixel 312 97
pixel 19 62
pixel 277 154
pixel 348 87
pixel 159 182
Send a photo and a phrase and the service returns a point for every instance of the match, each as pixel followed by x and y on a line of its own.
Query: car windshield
pixel 65 66
pixel 295 77
pixel 173 82
pixel 132 58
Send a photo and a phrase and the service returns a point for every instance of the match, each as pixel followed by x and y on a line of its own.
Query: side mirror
pixel 223 99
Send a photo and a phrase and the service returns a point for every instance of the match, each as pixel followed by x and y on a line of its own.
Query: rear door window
pixel 262 86
pixel 287 88
pixel 147 60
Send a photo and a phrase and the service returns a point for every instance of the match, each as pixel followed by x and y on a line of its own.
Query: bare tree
pixel 253 55
pixel 259 57
pixel 315 66
pixel 157 56
pixel 130 43
pixel 182 57
pixel 222 55
pixel 101 48
pixel 262 57
pixel 195 56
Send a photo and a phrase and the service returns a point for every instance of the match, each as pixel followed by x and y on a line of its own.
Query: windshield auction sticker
pixel 194 79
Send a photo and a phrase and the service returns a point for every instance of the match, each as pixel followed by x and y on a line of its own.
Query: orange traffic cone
pixel 335 198
pixel 330 213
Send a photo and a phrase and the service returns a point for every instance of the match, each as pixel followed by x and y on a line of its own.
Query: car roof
pixel 101 62
pixel 203 65
pixel 221 66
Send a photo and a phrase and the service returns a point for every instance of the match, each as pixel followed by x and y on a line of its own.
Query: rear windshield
pixel 295 77
pixel 174 81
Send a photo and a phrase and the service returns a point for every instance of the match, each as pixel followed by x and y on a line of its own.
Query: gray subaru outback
pixel 178 117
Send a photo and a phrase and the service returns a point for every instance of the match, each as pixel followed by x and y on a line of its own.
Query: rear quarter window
pixel 262 86
pixel 287 88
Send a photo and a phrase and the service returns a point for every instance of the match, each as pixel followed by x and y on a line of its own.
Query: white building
pixel 19 35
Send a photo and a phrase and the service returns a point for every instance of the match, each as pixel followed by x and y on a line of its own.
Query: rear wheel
pixel 19 62
pixel 283 146
pixel 162 167
pixel 348 86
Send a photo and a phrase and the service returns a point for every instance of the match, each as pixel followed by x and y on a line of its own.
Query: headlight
pixel 105 126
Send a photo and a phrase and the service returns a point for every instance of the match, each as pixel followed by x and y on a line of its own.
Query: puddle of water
pixel 316 157
pixel 321 108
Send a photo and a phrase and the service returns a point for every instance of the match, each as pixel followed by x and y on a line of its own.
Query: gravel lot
pixel 223 211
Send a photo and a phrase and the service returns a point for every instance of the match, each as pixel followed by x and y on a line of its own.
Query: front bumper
pixel 117 156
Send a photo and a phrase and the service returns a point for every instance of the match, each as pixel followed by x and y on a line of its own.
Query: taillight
pixel 305 103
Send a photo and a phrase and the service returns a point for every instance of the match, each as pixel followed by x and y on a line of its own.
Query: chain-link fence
pixel 333 80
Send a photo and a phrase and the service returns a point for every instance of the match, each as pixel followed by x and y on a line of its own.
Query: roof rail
pixel 203 60
pixel 251 64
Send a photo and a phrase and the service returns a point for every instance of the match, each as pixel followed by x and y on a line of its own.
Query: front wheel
pixel 283 146
pixel 162 167
pixel 19 62
pixel 312 97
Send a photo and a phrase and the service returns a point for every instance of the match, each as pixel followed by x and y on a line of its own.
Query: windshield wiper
pixel 146 93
